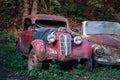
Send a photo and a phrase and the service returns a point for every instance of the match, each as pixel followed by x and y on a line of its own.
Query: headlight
pixel 51 38
pixel 77 40
pixel 99 49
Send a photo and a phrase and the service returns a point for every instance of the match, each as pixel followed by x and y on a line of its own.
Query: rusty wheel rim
pixel 32 62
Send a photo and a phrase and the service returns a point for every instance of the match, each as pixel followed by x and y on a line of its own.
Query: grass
pixel 17 67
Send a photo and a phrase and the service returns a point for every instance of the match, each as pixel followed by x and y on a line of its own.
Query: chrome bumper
pixel 107 62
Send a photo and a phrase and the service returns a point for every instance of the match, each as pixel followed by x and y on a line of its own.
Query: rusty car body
pixel 105 39
pixel 47 40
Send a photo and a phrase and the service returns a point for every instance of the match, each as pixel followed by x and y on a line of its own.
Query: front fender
pixel 84 50
pixel 87 48
pixel 39 49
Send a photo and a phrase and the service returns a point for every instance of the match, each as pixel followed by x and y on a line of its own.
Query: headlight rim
pixel 98 49
pixel 77 37
pixel 49 39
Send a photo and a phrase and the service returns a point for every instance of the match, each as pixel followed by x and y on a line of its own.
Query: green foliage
pixel 79 19
pixel 55 8
pixel 7 38
pixel 78 10
pixel 9 9
pixel 72 9
pixel 86 10
pixel 96 3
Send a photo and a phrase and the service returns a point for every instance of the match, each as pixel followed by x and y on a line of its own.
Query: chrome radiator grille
pixel 65 44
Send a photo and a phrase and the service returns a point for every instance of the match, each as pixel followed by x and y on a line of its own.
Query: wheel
pixel 33 62
pixel 95 63
pixel 88 65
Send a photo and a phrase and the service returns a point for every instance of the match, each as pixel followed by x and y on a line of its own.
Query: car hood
pixel 110 40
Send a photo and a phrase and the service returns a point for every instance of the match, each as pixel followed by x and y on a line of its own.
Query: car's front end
pixel 62 46
pixel 107 50
pixel 105 39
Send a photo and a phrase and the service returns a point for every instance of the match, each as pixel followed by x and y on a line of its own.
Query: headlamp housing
pixel 77 40
pixel 100 50
pixel 51 38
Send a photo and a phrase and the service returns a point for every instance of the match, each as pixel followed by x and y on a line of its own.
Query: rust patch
pixel 113 41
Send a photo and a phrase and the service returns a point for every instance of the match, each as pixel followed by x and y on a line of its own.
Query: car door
pixel 26 39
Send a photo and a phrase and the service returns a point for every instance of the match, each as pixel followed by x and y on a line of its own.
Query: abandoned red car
pixel 49 38
pixel 105 39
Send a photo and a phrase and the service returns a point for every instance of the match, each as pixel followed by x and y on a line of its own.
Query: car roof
pixel 45 17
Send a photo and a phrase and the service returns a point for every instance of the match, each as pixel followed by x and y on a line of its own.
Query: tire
pixel 88 65
pixel 33 62
pixel 95 63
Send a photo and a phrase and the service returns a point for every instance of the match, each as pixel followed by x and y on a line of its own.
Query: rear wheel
pixel 33 62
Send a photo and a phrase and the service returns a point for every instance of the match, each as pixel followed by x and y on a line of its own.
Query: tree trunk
pixel 57 2
pixel 44 4
pixel 34 7
pixel 26 7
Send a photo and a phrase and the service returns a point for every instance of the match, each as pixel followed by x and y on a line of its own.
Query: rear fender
pixel 39 48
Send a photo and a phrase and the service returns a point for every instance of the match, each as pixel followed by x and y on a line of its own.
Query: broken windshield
pixel 51 23
pixel 102 27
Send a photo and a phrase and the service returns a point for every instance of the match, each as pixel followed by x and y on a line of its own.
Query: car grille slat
pixel 65 44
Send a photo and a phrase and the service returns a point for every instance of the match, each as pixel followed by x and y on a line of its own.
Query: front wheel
pixel 88 65
pixel 33 62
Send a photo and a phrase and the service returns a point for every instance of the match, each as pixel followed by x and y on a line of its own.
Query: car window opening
pixel 50 23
